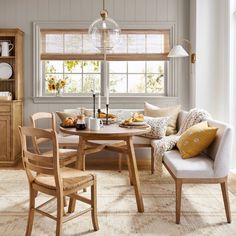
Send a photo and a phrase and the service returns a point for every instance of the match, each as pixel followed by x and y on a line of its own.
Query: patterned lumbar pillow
pixel 172 112
pixel 196 139
pixel 158 126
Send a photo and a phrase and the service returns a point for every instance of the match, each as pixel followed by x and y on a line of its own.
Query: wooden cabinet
pixel 11 111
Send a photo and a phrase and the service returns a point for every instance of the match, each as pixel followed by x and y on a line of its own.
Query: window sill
pixel 112 100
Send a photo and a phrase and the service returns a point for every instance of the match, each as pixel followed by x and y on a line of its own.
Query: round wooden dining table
pixel 90 142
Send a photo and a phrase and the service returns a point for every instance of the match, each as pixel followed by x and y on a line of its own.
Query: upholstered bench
pixel 209 167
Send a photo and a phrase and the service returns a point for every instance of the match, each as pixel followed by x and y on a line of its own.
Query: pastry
pixel 138 117
pixel 69 121
pixel 103 115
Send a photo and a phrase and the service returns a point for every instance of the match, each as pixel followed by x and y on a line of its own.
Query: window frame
pixel 171 69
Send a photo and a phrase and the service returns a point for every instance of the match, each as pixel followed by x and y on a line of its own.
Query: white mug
pixel 95 124
pixel 6 48
pixel 87 122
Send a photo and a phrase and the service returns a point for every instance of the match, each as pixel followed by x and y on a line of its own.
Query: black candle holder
pixel 107 107
pixel 94 113
pixel 99 113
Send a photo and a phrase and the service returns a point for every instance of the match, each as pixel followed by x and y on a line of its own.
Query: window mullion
pixel 127 76
pixel 103 78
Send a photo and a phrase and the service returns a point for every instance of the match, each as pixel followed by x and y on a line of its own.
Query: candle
pixel 99 101
pixel 107 102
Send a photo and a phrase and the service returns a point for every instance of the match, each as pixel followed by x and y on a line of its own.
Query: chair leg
pixel 60 211
pixel 119 162
pixel 83 163
pixel 72 204
pixel 94 205
pixel 152 161
pixel 178 191
pixel 31 212
pixel 64 201
pixel 130 173
pixel 224 189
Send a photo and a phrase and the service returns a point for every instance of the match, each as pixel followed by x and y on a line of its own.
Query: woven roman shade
pixel 134 45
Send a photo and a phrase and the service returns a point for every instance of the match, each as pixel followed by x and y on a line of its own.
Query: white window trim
pixel 171 84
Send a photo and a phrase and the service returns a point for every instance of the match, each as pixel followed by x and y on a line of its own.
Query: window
pixel 137 77
pixel 137 66
pixel 80 76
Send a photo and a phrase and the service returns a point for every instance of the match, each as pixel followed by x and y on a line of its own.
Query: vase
pixel 58 93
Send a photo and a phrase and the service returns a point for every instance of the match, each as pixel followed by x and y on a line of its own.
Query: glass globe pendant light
pixel 105 32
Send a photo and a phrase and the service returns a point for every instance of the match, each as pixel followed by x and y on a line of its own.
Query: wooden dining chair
pixel 65 141
pixel 45 175
pixel 66 154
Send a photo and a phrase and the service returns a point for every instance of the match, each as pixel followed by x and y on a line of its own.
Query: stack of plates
pixel 5 71
pixel 5 96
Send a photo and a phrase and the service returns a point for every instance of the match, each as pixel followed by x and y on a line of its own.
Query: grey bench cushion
pixel 198 167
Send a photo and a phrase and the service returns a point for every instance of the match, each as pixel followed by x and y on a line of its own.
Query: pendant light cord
pixel 103 4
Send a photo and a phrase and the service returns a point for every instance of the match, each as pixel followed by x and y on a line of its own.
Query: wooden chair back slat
pixel 39 168
pixel 39 163
pixel 42 116
pixel 47 160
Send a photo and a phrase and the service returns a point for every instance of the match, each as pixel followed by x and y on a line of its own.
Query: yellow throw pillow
pixel 195 139
pixel 171 112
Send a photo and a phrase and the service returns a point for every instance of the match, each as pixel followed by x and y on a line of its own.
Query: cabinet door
pixel 5 138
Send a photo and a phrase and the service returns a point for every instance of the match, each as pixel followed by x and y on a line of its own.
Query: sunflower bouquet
pixel 55 85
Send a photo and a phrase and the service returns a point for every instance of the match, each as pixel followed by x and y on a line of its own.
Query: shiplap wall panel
pixel 109 6
pixel 162 10
pixel 172 13
pixel 54 10
pixel 130 10
pixel 65 9
pixel 151 13
pixel 140 10
pixel 22 13
pixel 119 10
pixel 74 8
pixel 43 12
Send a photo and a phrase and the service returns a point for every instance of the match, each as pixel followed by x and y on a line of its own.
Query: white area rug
pixel 202 208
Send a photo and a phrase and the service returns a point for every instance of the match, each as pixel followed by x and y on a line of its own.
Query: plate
pixel 72 126
pixel 137 123
pixel 110 120
pixel 5 71
pixel 134 126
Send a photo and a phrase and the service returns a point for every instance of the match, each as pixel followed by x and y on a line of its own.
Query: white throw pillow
pixel 172 112
pixel 158 126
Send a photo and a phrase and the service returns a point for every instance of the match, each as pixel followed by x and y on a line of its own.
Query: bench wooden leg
pixel 152 161
pixel 178 191
pixel 224 189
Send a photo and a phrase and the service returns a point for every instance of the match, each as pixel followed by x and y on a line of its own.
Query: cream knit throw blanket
pixel 167 143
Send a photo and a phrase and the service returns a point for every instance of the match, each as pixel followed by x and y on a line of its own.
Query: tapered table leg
pixel 130 173
pixel 134 174
pixel 80 165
